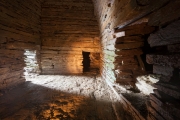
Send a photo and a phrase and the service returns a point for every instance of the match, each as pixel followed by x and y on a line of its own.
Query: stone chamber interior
pixel 90 60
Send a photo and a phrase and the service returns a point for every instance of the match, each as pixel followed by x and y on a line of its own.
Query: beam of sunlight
pixel 144 83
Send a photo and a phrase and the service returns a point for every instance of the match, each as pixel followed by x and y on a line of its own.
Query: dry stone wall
pixel 121 44
pixel 69 27
pixel 128 62
pixel 19 40
pixel 164 102
pixel 123 24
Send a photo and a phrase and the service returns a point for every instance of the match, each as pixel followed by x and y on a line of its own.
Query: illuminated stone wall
pixel 69 27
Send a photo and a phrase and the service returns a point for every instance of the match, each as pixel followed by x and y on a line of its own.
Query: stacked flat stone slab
pixel 19 33
pixel 69 27
pixel 128 49
pixel 123 52
pixel 164 103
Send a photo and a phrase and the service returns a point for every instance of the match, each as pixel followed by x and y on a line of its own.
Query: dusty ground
pixel 60 98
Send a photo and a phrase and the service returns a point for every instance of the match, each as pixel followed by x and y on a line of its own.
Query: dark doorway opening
pixel 86 61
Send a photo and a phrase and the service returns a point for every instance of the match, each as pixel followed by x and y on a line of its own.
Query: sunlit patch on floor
pixel 59 97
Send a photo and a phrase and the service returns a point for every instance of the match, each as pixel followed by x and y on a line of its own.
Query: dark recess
pixel 147 50
pixel 86 61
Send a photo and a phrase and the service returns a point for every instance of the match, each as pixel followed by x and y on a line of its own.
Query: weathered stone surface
pixel 155 114
pixel 50 71
pixel 23 46
pixel 128 67
pixel 143 2
pixel 126 60
pixel 166 14
pixel 174 48
pixel 4 70
pixel 10 52
pixel 165 78
pixel 124 72
pixel 136 105
pixel 112 17
pixel 79 48
pixel 57 43
pixel 129 39
pixel 169 91
pixel 138 29
pixel 150 117
pixel 129 52
pixel 119 80
pixel 17 67
pixel 110 52
pixel 166 102
pixel 164 60
pixel 162 70
pixel 3 40
pixel 6 62
pixel 161 111
pixel 169 85
pixel 129 45
pixel 166 36
pixel 11 74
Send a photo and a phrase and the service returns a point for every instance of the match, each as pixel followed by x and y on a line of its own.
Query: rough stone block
pixel 154 112
pixel 166 102
pixel 4 70
pixel 166 14
pixel 164 60
pixel 174 48
pixel 169 91
pixel 165 78
pixel 129 52
pixel 129 45
pixel 166 36
pixel 11 74
pixel 163 113
pixel 163 70
pixel 125 60
pixel 22 45
pixel 128 67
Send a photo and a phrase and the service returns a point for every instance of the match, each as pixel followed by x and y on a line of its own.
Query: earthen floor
pixel 59 98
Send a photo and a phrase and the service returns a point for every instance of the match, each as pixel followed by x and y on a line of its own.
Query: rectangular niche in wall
pixel 91 62
pixel 86 61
